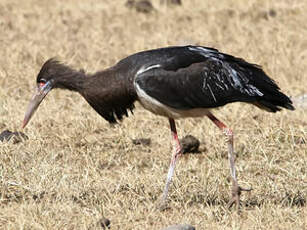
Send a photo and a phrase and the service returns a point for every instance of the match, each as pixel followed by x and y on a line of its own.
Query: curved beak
pixel 39 95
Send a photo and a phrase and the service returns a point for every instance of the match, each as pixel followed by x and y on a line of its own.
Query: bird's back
pixel 192 77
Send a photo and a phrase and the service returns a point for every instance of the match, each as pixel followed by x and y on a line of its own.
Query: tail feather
pixel 273 99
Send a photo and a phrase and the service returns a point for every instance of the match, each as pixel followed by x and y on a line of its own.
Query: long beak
pixel 37 98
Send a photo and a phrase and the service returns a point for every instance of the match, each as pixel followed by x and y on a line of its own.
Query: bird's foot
pixel 235 195
pixel 162 205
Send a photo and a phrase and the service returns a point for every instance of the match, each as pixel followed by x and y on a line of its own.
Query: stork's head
pixel 52 75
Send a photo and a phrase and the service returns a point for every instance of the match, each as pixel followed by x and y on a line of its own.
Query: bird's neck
pixel 110 93
pixel 110 84
pixel 72 80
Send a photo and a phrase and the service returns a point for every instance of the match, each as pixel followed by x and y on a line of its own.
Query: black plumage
pixel 210 79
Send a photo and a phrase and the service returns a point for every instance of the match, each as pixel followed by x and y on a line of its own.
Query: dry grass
pixel 75 167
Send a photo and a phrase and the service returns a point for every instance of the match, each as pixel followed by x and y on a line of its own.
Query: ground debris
pixel 7 135
pixel 180 227
pixel 171 2
pixel 189 144
pixel 141 141
pixel 104 223
pixel 142 6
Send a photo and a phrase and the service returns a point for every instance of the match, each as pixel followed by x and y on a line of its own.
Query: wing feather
pixel 209 79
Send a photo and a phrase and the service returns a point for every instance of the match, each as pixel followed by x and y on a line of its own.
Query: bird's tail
pixel 273 100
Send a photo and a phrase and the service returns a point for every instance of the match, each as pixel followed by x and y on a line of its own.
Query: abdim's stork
pixel 174 82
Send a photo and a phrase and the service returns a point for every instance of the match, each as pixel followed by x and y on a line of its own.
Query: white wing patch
pixel 200 49
pixel 234 77
pixel 144 69
pixel 208 53
pixel 254 90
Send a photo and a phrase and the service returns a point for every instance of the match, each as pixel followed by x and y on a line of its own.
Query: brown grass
pixel 75 168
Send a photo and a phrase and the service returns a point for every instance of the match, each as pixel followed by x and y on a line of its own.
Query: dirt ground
pixel 76 168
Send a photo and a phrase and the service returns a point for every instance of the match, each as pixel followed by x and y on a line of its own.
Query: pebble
pixel 189 144
pixel 7 135
pixel 180 227
pixel 141 141
pixel 104 223
pixel 300 101
pixel 142 6
pixel 172 2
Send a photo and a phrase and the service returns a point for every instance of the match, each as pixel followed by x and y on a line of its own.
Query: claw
pixel 235 195
pixel 162 205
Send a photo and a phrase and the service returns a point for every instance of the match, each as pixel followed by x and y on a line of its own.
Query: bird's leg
pixel 236 189
pixel 177 150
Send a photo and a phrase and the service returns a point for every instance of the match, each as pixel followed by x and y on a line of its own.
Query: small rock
pixel 266 14
pixel 300 101
pixel 91 138
pixel 6 135
pixel 142 141
pixel 180 227
pixel 142 6
pixel 171 2
pixel 263 15
pixel 189 144
pixel 272 13
pixel 104 223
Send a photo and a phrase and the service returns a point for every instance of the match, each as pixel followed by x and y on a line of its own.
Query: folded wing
pixel 201 77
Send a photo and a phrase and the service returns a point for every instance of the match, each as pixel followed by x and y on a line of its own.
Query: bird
pixel 174 82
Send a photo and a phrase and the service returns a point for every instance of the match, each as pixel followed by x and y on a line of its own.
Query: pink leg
pixel 176 154
pixel 236 189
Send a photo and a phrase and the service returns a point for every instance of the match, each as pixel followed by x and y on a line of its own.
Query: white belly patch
pixel 158 108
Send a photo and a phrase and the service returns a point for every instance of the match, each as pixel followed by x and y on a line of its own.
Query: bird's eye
pixel 41 82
